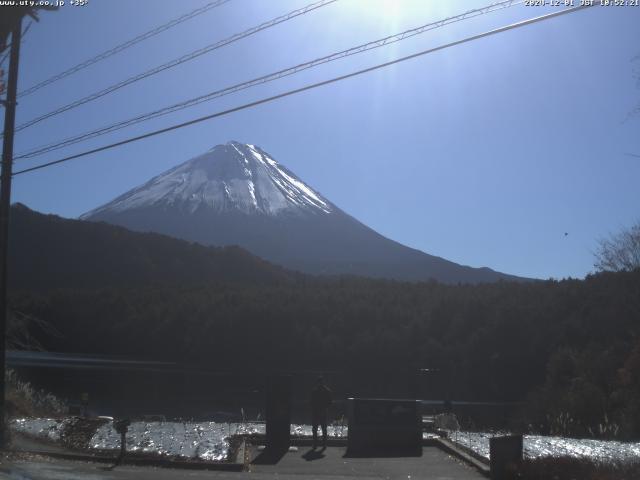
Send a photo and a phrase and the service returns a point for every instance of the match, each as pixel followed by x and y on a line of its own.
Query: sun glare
pixel 383 10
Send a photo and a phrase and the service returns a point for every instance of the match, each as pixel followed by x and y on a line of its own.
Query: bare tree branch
pixel 619 252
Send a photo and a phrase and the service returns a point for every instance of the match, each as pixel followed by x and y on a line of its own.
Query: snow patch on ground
pixel 203 440
pixel 537 446
pixel 45 428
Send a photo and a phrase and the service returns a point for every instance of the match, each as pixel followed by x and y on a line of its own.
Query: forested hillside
pixel 47 251
pixel 571 346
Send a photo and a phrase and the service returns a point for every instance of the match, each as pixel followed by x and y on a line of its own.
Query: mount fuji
pixel 237 194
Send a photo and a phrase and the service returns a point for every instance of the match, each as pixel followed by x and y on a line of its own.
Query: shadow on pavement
pixel 270 456
pixel 314 454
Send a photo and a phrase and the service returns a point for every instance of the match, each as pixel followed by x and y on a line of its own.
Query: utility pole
pixel 5 206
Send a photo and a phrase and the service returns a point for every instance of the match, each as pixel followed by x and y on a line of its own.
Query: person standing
pixel 320 402
pixel 122 426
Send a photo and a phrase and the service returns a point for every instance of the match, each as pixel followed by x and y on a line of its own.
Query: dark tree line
pixel 571 348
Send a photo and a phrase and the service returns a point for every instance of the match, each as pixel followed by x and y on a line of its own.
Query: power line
pixel 176 62
pixel 307 87
pixel 267 78
pixel 123 46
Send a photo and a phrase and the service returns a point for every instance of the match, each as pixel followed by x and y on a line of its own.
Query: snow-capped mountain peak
pixel 237 194
pixel 230 177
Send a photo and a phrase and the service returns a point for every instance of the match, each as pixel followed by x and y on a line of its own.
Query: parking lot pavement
pixel 433 463
pixel 328 464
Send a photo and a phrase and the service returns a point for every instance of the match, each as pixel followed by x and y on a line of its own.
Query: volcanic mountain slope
pixel 237 194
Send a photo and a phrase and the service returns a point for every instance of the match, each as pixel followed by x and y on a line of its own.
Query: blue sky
pixel 484 154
